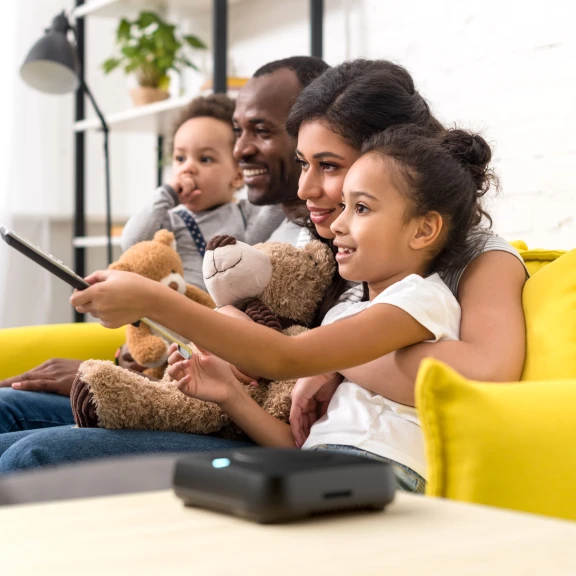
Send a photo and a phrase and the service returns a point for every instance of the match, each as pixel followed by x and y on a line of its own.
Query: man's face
pixel 263 149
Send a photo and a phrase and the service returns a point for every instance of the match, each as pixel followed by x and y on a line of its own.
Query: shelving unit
pixel 154 118
pixel 120 8
pixel 94 241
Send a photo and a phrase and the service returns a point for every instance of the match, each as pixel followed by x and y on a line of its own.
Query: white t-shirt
pixel 357 417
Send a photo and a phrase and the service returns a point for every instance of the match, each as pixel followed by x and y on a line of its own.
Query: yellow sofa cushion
pixel 536 259
pixel 24 348
pixel 549 302
pixel 507 445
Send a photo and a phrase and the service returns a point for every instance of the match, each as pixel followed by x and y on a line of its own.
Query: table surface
pixel 153 533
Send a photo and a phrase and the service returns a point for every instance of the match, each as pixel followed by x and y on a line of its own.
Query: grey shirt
pixel 244 221
pixel 287 232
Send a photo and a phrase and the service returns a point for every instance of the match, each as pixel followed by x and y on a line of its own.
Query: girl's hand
pixel 203 376
pixel 310 399
pixel 116 298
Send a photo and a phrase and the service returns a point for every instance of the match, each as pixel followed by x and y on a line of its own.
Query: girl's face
pixel 373 236
pixel 325 158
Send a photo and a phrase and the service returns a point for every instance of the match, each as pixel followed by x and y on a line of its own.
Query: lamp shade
pixel 51 65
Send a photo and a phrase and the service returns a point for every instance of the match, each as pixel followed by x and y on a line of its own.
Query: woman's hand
pixel 116 298
pixel 310 399
pixel 203 376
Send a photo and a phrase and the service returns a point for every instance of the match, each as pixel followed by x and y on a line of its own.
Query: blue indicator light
pixel 220 462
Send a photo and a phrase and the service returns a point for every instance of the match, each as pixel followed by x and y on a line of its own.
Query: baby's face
pixel 204 171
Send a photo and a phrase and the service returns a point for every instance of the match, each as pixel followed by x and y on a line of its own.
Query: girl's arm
pixel 492 332
pixel 208 378
pixel 119 298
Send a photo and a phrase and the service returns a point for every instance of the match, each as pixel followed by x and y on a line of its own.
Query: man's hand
pixel 310 399
pixel 55 375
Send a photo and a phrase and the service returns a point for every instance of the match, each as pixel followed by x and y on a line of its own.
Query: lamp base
pixel 143 95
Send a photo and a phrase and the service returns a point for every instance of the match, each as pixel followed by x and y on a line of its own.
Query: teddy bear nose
pixel 221 241
pixel 173 285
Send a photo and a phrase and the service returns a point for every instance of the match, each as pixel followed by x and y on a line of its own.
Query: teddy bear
pixel 276 284
pixel 158 260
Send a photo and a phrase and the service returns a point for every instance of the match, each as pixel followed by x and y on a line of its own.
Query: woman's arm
pixel 492 333
pixel 119 298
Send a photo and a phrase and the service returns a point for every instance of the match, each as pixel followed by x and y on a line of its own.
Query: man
pixel 265 152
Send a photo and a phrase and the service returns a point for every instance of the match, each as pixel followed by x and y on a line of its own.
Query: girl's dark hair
pixel 448 173
pixel 217 106
pixel 357 100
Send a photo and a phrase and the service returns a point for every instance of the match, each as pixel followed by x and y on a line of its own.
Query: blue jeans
pixel 407 480
pixel 52 446
pixel 21 410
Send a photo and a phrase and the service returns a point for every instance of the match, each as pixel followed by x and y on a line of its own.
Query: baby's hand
pixel 203 376
pixel 185 186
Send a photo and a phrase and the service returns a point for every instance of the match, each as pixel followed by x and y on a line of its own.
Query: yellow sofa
pixel 512 444
pixel 24 348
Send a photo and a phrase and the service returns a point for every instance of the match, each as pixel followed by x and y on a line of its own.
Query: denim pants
pixel 406 479
pixel 20 410
pixel 64 444
pixel 36 429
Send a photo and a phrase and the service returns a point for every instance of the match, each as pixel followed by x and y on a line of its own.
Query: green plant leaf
pixel 123 31
pixel 130 51
pixel 149 47
pixel 110 65
pixel 195 42
pixel 145 19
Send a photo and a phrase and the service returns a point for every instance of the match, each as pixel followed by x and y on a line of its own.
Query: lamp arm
pixel 105 131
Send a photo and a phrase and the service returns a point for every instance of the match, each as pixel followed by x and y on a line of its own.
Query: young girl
pixel 408 204
pixel 199 201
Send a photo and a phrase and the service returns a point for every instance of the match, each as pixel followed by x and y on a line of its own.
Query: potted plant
pixel 149 48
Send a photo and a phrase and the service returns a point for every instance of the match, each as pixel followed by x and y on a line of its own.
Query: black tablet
pixel 59 269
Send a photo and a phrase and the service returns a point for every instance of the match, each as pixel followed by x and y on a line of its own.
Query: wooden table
pixel 153 533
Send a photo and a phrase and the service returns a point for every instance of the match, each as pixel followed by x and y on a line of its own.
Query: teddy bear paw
pixel 82 402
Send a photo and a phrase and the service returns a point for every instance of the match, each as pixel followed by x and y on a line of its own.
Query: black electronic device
pixel 270 485
pixel 59 269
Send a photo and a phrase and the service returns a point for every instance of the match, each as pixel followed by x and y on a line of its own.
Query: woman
pixel 332 117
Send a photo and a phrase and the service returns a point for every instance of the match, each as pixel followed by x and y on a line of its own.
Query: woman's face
pixel 325 158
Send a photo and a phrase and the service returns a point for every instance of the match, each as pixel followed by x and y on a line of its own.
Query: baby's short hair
pixel 217 106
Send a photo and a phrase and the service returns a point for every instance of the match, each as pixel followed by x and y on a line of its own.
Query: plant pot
pixel 143 95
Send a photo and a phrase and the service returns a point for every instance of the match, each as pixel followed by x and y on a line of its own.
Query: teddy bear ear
pixel 124 266
pixel 165 237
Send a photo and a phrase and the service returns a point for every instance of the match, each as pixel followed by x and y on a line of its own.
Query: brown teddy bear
pixel 276 284
pixel 158 260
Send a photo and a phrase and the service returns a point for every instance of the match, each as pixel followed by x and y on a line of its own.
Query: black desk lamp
pixel 52 67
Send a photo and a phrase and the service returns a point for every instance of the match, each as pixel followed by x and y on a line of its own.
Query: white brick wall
pixel 507 69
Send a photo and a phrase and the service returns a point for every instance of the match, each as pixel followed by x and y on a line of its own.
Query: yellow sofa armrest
pixel 26 347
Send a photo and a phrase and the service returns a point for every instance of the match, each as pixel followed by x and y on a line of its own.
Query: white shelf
pixel 94 241
pixel 119 8
pixel 157 118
